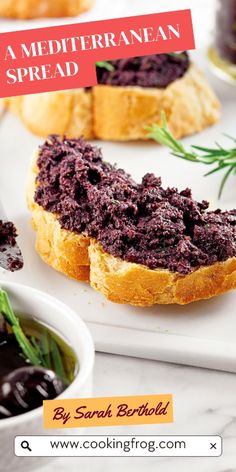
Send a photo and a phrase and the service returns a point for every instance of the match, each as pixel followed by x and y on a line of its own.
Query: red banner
pixel 63 57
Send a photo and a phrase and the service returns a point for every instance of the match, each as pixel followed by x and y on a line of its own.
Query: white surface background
pixel 205 401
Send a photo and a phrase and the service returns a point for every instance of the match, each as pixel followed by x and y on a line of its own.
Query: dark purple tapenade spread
pixel 157 70
pixel 8 233
pixel 8 236
pixel 142 223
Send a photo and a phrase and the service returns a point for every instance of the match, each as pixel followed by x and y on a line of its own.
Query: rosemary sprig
pixel 27 348
pixel 42 352
pixel 45 350
pixel 36 346
pixel 177 55
pixel 105 65
pixel 57 360
pixel 223 159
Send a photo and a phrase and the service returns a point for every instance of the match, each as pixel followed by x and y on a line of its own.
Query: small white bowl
pixel 67 323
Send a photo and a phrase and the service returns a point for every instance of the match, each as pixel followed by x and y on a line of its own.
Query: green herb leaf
pixel 45 350
pixel 6 309
pixel 221 157
pixel 35 343
pixel 57 360
pixel 25 345
pixel 39 352
pixel 105 65
pixel 178 55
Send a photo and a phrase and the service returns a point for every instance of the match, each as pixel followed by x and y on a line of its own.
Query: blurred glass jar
pixel 222 53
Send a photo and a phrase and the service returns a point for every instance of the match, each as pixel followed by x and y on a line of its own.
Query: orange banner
pixel 108 411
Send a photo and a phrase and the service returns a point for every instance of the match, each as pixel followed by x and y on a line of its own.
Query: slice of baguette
pixel 120 113
pixel 28 9
pixel 82 258
pixel 64 112
pixel 63 250
pixel 123 113
pixel 134 284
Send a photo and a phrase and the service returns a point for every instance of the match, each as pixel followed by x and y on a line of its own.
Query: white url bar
pixel 121 446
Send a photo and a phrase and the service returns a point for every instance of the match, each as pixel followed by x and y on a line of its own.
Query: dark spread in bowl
pixel 157 70
pixel 142 223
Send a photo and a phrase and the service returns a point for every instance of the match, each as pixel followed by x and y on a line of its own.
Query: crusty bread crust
pixel 63 250
pixel 63 112
pixel 134 284
pixel 122 113
pixel 27 9
pixel 122 282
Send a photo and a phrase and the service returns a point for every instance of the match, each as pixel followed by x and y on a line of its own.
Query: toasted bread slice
pixel 63 250
pixel 120 113
pixel 123 113
pixel 82 258
pixel 63 112
pixel 134 284
pixel 28 9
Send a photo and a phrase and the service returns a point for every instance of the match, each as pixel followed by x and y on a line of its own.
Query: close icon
pixel 212 445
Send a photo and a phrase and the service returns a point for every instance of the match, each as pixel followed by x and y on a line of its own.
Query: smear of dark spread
pixel 157 70
pixel 142 223
pixel 8 236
